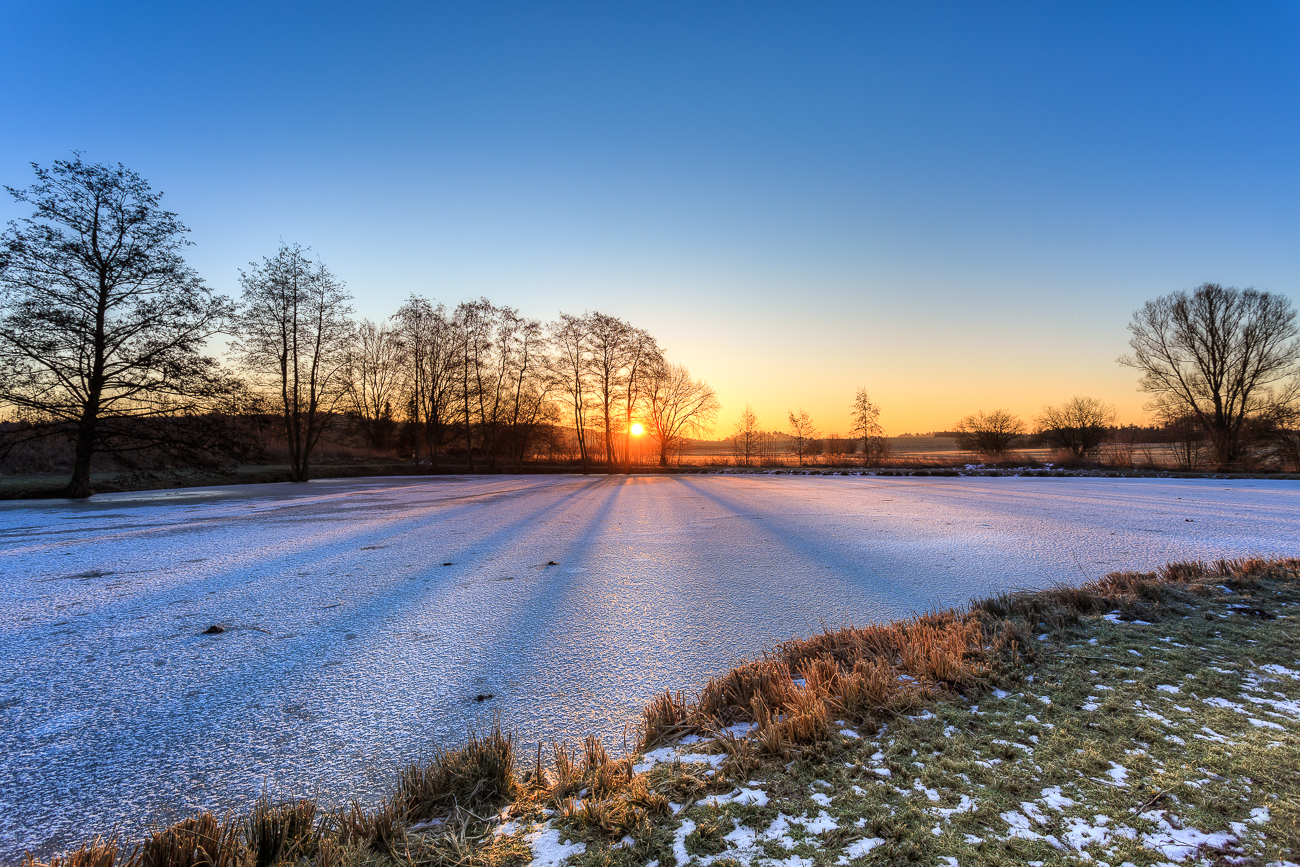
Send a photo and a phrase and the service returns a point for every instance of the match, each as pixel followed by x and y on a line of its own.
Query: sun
pixel 637 429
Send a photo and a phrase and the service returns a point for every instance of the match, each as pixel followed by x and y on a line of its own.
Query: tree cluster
pixel 104 332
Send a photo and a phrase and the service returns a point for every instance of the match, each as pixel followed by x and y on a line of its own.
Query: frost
pixel 126 740
pixel 965 806
pixel 822 823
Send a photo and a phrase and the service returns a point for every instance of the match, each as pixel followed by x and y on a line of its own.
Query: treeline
pixel 481 382
pixel 104 336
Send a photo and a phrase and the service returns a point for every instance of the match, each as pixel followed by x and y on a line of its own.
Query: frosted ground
pixel 349 647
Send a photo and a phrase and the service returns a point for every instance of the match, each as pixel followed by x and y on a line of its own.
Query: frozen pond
pixel 364 618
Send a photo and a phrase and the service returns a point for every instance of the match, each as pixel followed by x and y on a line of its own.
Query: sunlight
pixel 637 429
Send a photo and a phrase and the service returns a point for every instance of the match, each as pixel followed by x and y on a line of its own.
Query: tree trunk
pixel 79 485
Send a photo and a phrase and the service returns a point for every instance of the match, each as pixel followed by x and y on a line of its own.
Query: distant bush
pixel 989 434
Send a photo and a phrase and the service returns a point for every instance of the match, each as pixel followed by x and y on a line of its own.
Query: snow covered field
pixel 366 620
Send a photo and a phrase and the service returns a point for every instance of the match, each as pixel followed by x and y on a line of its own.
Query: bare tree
pixel 679 406
pixel 803 433
pixel 746 437
pixel 989 434
pixel 293 331
pixel 641 358
pixel 609 338
pixel 373 378
pixel 1282 425
pixel 1213 354
pixel 527 385
pixel 572 360
pixel 1078 426
pixel 431 364
pixel 102 324
pixel 473 324
pixel 866 426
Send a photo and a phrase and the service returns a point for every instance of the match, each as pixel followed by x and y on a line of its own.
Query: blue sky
pixel 957 206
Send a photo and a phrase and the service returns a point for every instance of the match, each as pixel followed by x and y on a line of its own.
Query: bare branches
pixel 101 320
pixel 1213 355
pixel 293 332
pixel 746 437
pixel 1078 426
pixel 866 425
pixel 679 406
pixel 990 434
pixel 803 433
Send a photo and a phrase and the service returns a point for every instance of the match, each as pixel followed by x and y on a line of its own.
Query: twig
pixel 1156 797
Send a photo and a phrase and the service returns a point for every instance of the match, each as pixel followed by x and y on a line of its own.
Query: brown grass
pixel 868 674
pixel 199 841
pixel 100 852
pixel 479 776
pixel 280 832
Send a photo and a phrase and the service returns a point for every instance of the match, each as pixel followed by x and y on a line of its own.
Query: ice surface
pixel 349 648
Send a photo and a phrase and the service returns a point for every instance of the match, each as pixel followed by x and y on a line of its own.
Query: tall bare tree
pixel 679 407
pixel 102 324
pixel 527 383
pixel 803 433
pixel 572 360
pixel 1078 426
pixel 866 426
pixel 746 437
pixel 610 339
pixel 642 357
pixel 473 324
pixel 293 331
pixel 430 361
pixel 1213 354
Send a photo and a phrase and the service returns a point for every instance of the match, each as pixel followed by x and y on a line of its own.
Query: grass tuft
pixel 202 840
pixel 478 776
pixel 280 832
pixel 100 852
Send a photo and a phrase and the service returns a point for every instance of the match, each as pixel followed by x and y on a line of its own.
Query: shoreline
pixel 9 490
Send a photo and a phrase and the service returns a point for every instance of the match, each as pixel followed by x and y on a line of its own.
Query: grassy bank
pixel 1145 718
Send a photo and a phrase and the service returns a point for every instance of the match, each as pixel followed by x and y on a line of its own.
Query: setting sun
pixel 637 429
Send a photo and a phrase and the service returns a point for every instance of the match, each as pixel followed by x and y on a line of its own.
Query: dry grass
pixel 199 841
pixel 865 674
pixel 478 776
pixel 100 852
pixel 281 832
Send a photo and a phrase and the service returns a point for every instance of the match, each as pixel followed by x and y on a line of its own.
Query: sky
pixel 955 206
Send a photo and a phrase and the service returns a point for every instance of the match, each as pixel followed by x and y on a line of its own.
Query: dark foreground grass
pixel 1144 718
